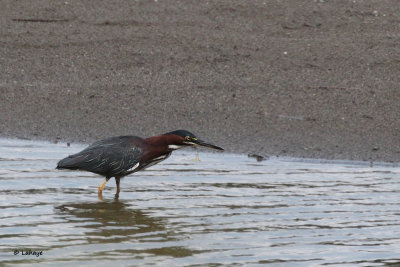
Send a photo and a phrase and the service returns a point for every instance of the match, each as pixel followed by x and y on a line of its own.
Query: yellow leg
pixel 103 184
pixel 100 195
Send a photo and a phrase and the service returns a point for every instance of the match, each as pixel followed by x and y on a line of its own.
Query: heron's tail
pixel 68 163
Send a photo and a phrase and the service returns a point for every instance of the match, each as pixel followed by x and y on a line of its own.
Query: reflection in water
pixel 222 210
pixel 113 221
pixel 117 222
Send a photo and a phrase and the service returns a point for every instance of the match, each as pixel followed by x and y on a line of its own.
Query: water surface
pixel 222 210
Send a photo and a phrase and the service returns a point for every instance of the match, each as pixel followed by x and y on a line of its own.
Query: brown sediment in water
pixel 299 78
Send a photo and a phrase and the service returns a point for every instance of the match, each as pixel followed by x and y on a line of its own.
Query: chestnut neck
pixel 157 146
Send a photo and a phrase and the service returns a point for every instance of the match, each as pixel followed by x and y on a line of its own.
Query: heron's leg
pixel 100 195
pixel 117 181
pixel 103 184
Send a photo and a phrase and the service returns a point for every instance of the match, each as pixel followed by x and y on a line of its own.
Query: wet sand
pixel 293 78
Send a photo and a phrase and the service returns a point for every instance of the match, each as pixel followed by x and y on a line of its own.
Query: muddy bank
pixel 300 78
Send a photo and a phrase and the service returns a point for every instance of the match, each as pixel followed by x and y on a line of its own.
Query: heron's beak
pixel 205 144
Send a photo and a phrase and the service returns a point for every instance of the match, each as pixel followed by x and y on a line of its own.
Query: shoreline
pixel 252 157
pixel 309 80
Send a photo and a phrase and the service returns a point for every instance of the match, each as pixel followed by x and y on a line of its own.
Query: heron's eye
pixel 190 139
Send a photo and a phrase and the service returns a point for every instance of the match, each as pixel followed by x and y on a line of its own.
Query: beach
pixel 312 79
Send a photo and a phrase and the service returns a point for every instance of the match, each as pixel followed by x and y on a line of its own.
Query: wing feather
pixel 109 157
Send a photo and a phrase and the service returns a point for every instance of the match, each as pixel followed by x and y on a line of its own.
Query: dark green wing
pixel 116 156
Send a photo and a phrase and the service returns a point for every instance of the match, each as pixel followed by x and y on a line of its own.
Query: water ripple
pixel 224 210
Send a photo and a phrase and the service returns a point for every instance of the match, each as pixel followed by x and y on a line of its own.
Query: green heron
pixel 123 155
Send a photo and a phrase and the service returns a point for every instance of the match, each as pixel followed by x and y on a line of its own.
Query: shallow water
pixel 222 210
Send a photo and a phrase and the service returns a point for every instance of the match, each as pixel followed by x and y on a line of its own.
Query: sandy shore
pixel 296 78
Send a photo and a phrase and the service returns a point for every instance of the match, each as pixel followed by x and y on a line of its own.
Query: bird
pixel 122 155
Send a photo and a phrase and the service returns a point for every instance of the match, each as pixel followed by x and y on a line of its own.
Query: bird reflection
pixel 115 220
pixel 100 196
